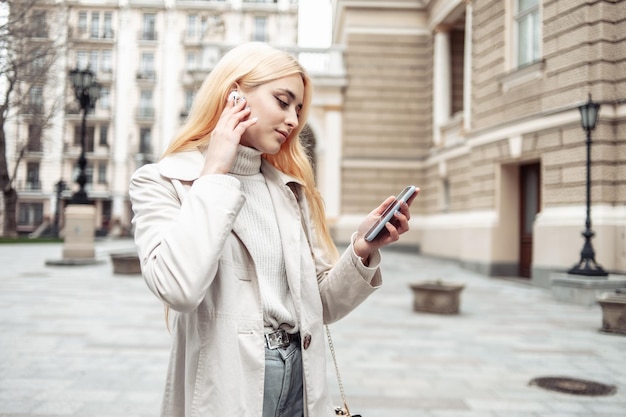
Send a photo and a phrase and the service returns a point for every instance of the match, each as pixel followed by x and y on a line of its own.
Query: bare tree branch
pixel 27 53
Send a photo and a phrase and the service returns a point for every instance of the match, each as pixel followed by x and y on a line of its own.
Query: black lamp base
pixel 80 197
pixel 588 268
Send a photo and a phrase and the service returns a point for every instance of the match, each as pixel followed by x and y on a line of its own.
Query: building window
pixel 204 25
pixel 145 104
pixel 39 24
pixel 108 25
pixel 102 173
pixel 259 30
pixel 95 24
pixel 34 138
pixel 104 101
pixel 148 31
pixel 37 66
pixel 82 22
pixel 107 61
pixel 32 176
pixel 35 98
pixel 145 140
pixel 147 66
pixel 89 173
pixel 81 60
pixel 189 96
pixel 29 214
pixel 192 25
pixel 93 60
pixel 528 31
pixel 192 61
pixel 104 133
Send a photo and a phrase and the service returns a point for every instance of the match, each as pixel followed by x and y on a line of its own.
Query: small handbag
pixel 340 411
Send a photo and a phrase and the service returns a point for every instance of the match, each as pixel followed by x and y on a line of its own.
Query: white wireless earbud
pixel 234 96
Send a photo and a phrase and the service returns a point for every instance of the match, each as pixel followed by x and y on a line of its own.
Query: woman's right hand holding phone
pixel 392 229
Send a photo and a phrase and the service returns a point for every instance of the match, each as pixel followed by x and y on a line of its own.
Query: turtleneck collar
pixel 247 162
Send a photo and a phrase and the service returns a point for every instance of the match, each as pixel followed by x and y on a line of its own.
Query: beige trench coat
pixel 194 258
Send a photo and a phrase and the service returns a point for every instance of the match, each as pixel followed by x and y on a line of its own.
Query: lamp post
pixel 587 265
pixel 87 92
pixel 59 187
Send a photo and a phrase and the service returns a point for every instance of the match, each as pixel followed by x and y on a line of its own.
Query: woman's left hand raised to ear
pixel 231 125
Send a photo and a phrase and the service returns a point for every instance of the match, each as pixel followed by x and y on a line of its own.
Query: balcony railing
pixel 148 35
pixel 146 113
pixel 82 34
pixel 34 146
pixel 320 62
pixel 32 109
pixel 146 75
pixel 29 185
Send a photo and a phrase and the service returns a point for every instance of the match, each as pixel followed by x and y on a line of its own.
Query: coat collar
pixel 187 166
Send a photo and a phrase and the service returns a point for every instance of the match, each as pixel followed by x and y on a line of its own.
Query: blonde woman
pixel 232 239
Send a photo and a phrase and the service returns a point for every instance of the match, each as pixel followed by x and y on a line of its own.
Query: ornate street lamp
pixel 87 92
pixel 587 265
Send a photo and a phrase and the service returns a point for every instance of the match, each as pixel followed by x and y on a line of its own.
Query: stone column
pixel 442 79
pixel 467 70
pixel 332 162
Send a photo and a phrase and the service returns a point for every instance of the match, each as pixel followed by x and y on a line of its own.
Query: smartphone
pixel 390 210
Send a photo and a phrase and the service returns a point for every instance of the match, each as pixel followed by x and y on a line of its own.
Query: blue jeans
pixel 283 395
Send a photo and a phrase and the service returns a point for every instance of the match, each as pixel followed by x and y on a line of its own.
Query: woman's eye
pixel 282 104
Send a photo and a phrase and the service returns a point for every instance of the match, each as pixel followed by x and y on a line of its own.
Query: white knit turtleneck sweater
pixel 258 217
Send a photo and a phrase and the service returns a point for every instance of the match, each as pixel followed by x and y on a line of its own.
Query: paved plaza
pixel 82 341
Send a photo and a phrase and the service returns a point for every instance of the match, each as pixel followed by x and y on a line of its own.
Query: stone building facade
pixel 150 57
pixel 476 102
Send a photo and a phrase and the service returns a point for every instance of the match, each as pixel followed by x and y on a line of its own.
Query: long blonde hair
pixel 250 65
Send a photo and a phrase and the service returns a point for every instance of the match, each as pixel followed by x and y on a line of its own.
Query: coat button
pixel 306 341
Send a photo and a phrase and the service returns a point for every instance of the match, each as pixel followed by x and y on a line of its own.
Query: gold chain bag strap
pixel 340 411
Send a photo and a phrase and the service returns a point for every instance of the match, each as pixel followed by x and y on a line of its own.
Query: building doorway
pixel 530 204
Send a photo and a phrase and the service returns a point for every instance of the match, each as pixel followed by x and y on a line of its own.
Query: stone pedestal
pixel 79 232
pixel 79 236
pixel 581 290
pixel 437 297
pixel 126 263
pixel 613 312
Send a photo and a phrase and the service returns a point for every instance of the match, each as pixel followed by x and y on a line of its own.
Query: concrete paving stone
pixel 509 404
pixel 58 407
pixel 609 406
pixel 469 413
pixel 84 335
pixel 18 404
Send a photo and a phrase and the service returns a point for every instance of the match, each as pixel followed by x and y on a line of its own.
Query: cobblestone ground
pixel 81 341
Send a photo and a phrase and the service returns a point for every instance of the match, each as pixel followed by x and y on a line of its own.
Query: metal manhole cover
pixel 573 386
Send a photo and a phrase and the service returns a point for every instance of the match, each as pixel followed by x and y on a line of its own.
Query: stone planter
pixel 613 311
pixel 437 297
pixel 125 263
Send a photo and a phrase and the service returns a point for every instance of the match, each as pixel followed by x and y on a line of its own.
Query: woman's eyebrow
pixel 288 92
